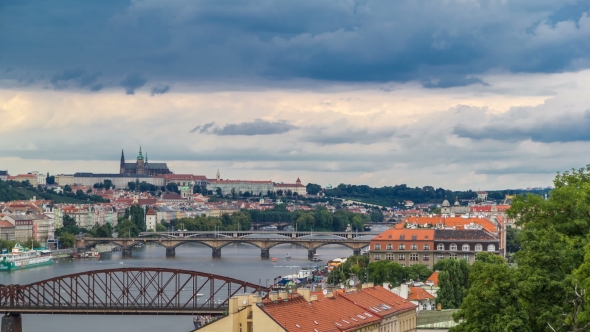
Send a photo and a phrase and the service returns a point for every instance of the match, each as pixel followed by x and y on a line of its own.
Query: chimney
pixel 233 305
pixel 273 296
pixel 305 292
pixel 329 294
pixel 312 298
pixel 403 290
pixel 438 307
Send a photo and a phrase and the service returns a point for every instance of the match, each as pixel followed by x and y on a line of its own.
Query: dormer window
pixel 453 247
pixel 402 237
pixel 414 237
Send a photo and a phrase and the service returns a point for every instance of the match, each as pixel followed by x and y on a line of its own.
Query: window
pixel 414 237
pixel 424 306
pixel 377 246
pixel 414 246
pixel 402 237
pixel 466 247
pixel 401 257
pixel 427 247
pixel 440 246
pixel 389 246
pixel 402 247
pixel 389 257
pixel 478 247
pixel 377 257
pixel 426 257
pixel 453 256
pixel 403 265
pixel 441 257
pixel 491 247
pixel 466 257
pixel 453 247
pixel 413 257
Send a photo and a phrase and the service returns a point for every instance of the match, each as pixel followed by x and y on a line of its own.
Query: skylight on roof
pixel 344 320
pixel 337 323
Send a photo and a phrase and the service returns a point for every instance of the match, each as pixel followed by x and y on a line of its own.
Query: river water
pixel 240 261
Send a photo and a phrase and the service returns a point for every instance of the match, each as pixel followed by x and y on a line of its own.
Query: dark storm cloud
pixel 565 128
pixel 256 127
pixel 329 40
pixel 160 89
pixel 451 82
pixel 132 82
pixel 351 136
pixel 76 77
pixel 202 129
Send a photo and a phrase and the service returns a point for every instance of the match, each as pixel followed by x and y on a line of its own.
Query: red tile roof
pixel 329 314
pixel 395 234
pixel 6 224
pixel 151 212
pixel 379 301
pixel 434 278
pixel 418 293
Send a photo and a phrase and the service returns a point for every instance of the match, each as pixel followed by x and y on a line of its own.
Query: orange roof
pixel 457 222
pixel 396 233
pixel 150 212
pixel 418 293
pixel 6 224
pixel 434 278
pixel 379 301
pixel 329 314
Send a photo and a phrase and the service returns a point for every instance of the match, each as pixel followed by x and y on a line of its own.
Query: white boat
pixel 288 256
pixel 316 258
pixel 20 258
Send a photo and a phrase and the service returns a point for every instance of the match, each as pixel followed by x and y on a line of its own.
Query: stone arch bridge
pixel 218 242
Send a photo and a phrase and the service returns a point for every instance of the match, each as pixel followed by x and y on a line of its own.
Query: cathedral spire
pixel 140 156
pixel 146 160
pixel 218 175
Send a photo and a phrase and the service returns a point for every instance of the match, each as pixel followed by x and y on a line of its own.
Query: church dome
pixel 446 203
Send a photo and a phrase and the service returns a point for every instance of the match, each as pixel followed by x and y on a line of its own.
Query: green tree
pixel 313 189
pixel 67 240
pixel 494 302
pixel 160 227
pixel 108 184
pixel 453 282
pixel 127 228
pixel 417 272
pixel 512 240
pixel 131 185
pixel 67 188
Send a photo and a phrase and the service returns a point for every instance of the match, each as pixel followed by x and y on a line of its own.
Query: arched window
pixel 440 246
pixel 389 246
pixel 401 247
pixel 414 246
pixel 427 247
pixel 424 306
pixel 478 247
pixel 377 246
pixel 491 247
pixel 466 247
pixel 453 247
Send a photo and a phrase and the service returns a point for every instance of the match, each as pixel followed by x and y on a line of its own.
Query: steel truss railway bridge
pixel 125 291
pixel 217 240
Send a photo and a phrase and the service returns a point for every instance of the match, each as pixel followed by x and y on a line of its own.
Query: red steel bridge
pixel 131 291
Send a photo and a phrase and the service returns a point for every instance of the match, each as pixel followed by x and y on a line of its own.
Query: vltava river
pixel 240 261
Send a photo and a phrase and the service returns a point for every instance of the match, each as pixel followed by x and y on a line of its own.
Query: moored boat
pixel 20 258
pixel 86 254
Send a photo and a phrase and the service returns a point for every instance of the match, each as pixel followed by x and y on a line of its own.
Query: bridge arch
pixel 298 243
pixel 127 291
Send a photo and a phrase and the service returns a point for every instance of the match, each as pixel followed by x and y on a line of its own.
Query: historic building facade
pixel 142 166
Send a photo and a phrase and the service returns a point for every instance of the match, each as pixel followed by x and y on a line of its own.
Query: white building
pixel 41 178
pixel 296 187
pixel 150 219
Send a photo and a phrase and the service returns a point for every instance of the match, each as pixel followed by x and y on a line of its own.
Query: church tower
pixel 122 166
pixel 218 175
pixel 140 164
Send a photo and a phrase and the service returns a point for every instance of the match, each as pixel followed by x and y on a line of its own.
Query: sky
pixel 459 94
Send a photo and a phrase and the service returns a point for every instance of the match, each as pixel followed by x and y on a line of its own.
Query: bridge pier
pixel 170 252
pixel 265 253
pixel 216 252
pixel 126 252
pixel 12 323
pixel 310 253
pixel 356 252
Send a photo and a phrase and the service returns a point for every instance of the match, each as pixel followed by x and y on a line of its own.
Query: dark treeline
pixel 9 192
pixel 397 194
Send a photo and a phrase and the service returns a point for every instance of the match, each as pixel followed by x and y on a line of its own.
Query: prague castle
pixel 142 166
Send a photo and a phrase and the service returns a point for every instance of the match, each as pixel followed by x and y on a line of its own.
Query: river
pixel 240 261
